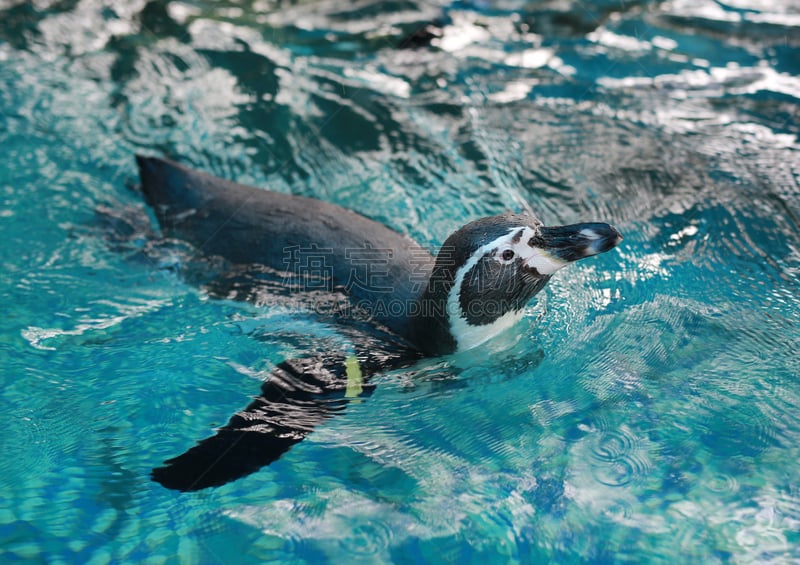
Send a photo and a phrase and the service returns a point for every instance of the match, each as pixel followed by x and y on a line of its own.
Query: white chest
pixel 468 336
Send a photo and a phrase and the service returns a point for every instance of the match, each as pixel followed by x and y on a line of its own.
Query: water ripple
pixel 619 458
pixel 647 405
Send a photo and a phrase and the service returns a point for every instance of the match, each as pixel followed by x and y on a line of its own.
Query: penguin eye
pixel 507 255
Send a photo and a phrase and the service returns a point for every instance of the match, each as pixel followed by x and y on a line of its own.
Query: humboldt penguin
pixel 402 302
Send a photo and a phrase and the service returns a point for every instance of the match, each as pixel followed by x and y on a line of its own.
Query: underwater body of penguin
pixel 414 305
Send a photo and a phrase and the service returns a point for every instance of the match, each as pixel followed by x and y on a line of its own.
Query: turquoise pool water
pixel 646 410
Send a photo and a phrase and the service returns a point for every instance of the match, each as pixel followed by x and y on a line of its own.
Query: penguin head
pixel 487 271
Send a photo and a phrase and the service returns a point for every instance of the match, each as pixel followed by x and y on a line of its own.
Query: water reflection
pixel 651 409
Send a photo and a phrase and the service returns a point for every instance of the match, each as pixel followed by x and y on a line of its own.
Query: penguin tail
pixel 171 189
pixel 151 173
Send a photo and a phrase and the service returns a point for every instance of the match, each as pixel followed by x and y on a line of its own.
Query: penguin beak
pixel 570 243
pixel 553 248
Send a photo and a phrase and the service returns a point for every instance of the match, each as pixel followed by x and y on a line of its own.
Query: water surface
pixel 646 409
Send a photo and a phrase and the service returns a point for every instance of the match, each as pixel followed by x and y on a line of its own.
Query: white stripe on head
pixel 543 262
pixel 467 335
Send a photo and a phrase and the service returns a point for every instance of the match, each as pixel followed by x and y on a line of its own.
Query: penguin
pixel 404 303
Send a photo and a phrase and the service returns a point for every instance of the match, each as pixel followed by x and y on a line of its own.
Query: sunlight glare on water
pixel 646 407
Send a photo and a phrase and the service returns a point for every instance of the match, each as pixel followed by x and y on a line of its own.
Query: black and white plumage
pixel 414 305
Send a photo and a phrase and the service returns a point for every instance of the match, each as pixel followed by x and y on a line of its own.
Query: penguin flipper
pixel 299 395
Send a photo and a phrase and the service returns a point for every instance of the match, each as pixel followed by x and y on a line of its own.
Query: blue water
pixel 647 408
